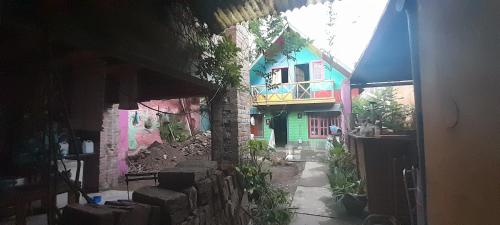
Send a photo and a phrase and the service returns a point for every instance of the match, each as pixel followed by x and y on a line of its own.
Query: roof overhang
pixel 221 14
pixel 325 108
pixel 315 107
pixel 387 57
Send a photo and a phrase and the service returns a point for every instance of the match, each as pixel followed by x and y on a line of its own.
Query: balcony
pixel 294 93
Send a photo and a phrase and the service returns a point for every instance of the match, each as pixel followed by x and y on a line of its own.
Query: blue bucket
pixel 96 199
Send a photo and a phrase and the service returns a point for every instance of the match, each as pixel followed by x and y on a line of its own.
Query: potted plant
pixel 347 188
pixel 355 202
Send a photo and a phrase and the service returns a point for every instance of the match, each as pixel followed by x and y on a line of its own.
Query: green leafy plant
pixel 255 176
pixel 218 62
pixel 383 106
pixel 216 56
pixel 266 31
pixel 172 131
pixel 273 208
pixel 343 176
pixel 269 205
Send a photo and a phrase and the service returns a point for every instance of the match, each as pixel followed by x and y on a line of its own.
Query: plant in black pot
pixel 347 188
pixel 354 202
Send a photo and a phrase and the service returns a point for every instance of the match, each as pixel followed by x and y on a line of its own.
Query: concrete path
pixel 314 201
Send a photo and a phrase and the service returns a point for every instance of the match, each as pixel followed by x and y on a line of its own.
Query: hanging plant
pixel 148 124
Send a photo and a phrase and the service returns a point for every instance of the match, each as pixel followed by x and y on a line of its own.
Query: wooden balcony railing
pixel 294 93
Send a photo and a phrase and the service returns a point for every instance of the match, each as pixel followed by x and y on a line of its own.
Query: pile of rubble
pixel 159 156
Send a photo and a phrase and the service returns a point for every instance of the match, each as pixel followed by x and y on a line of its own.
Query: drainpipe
pixel 410 8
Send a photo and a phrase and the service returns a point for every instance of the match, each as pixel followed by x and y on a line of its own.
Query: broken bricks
pixel 194 193
pixel 180 178
pixel 198 164
pixel 120 212
pixel 174 205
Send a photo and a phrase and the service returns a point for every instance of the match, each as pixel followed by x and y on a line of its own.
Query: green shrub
pixel 383 106
pixel 173 131
pixel 269 205
pixel 343 176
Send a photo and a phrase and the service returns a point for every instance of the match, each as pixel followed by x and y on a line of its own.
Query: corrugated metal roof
pixel 221 14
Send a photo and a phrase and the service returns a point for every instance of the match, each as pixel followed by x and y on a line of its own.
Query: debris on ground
pixel 159 156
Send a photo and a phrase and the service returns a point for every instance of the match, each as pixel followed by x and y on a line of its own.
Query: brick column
pixel 113 145
pixel 108 155
pixel 230 111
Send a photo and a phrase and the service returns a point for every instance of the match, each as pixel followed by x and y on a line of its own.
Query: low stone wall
pixel 193 193
pixel 196 193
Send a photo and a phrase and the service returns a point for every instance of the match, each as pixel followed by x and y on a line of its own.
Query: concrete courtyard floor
pixel 314 202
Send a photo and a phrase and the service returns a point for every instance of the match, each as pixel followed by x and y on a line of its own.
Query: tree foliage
pixel 266 31
pixel 383 106
pixel 332 18
pixel 216 56
pixel 219 63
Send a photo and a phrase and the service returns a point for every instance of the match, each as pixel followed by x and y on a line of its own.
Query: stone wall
pixel 193 193
pixel 196 193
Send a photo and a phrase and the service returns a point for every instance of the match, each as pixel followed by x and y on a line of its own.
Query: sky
pixel 354 25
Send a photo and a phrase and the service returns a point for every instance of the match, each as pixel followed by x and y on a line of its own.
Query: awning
pixel 387 57
pixel 324 108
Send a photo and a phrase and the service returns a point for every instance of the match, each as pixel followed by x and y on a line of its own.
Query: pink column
pixel 123 142
pixel 347 104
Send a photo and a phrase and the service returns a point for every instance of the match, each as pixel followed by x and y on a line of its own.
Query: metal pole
pixel 410 8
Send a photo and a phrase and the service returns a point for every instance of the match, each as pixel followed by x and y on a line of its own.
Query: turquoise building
pixel 303 102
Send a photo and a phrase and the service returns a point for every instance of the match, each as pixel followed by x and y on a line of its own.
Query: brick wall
pixel 108 157
pixel 230 111
pixel 244 98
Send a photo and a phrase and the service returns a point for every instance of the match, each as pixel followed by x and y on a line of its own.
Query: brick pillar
pixel 113 145
pixel 230 111
pixel 108 155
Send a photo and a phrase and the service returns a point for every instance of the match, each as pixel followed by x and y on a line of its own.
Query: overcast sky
pixel 354 26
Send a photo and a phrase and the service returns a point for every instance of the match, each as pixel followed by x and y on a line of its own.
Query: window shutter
pixel 318 71
pixel 276 77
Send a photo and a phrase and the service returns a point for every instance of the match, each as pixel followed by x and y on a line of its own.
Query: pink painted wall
pixel 346 105
pixel 123 141
pixel 139 137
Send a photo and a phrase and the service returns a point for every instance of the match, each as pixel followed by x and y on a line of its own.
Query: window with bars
pixel 319 124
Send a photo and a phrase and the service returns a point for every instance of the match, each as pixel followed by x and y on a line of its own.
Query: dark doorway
pixel 280 129
pixel 284 75
pixel 302 72
pixel 301 77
